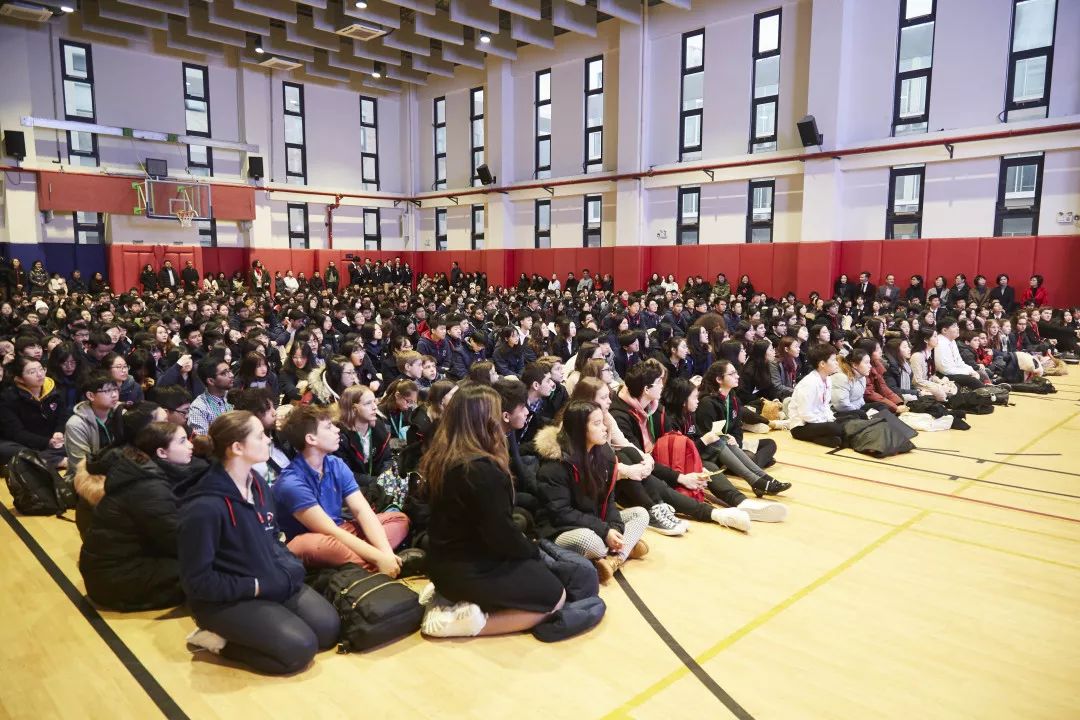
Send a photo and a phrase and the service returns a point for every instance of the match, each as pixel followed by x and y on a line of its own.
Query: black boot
pixel 768 485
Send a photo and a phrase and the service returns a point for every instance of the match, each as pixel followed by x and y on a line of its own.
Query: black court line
pixel 680 652
pixel 952 476
pixel 146 680
pixel 980 460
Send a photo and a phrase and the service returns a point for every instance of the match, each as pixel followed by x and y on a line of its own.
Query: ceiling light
pixel 361 5
pixel 376 74
pixel 258 46
pixel 485 38
pixel 67 9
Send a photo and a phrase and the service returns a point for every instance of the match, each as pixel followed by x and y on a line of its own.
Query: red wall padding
pixel 776 269
pixel 71 192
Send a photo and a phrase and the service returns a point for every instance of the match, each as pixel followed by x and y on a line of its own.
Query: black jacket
pixel 509 360
pixel 226 543
pixel 190 276
pixel 627 423
pixel 28 421
pixel 421 428
pixel 712 408
pixel 566 504
pixel 463 359
pixel 1005 295
pixel 366 466
pixel 128 558
pixel 149 280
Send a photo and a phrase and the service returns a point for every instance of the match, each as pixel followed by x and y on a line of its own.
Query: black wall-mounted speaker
pixel 808 132
pixel 482 172
pixel 255 167
pixel 15 144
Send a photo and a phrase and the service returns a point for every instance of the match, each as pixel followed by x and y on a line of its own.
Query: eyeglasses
pixel 120 367
pixel 183 412
pixel 107 390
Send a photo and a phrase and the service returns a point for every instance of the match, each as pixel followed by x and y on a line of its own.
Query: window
pixel 372 229
pixel 207 232
pixel 478 220
pixel 759 211
pixel 298 226
pixel 197 118
pixel 766 99
pixel 591 224
pixel 594 114
pixel 1019 194
pixel 77 66
pixel 903 218
pixel 1031 57
pixel 440 228
pixel 689 209
pixel 914 58
pixel 369 142
pixel 476 130
pixel 693 95
pixel 439 130
pixel 89 228
pixel 542 224
pixel 542 168
pixel 295 149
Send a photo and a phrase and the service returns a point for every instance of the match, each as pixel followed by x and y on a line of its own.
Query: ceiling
pixel 419 37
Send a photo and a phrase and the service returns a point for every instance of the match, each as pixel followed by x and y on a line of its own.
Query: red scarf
pixel 641 416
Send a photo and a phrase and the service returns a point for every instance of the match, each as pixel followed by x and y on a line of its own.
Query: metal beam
pixel 149 135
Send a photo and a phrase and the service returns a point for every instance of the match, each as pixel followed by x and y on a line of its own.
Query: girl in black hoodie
pixel 245 589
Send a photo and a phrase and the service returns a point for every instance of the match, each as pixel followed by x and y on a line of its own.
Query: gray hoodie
pixel 81 435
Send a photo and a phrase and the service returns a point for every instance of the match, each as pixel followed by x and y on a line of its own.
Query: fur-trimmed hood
pixel 88 486
pixel 546 443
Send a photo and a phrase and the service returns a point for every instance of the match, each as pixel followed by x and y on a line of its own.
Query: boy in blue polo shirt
pixel 310 494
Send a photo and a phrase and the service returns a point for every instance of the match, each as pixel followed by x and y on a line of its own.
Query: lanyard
pixel 108 435
pixel 370 451
pixel 398 426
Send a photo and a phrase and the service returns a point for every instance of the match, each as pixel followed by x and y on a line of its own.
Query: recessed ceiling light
pixel 485 38
pixel 258 46
pixel 361 5
pixel 376 74
pixel 67 9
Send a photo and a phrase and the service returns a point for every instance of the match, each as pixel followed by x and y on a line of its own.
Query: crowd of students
pixel 224 437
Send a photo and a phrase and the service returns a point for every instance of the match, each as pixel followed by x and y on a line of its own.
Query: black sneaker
pixel 413 562
pixel 768 485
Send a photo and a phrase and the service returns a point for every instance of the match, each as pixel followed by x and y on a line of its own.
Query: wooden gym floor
pixel 944 583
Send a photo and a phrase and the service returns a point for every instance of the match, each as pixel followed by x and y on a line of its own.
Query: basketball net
pixel 185 216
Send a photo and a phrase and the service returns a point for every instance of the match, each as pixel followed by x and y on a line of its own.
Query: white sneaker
pixel 427 594
pixel 200 639
pixel 733 518
pixel 664 522
pixel 461 620
pixel 759 428
pixel 675 518
pixel 764 510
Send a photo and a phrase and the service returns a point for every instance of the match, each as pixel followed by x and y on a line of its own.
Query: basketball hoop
pixel 185 216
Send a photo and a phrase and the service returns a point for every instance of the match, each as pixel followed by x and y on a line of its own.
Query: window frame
pixel 192 163
pixel 1015 57
pixel 681 226
pixel 1002 213
pixel 374 125
pixel 475 118
pixel 375 237
pixel 892 217
pixel 65 76
pixel 767 99
pixel 539 234
pixel 751 223
pixel 588 232
pixel 477 230
pixel 539 137
pixel 897 121
pixel 79 228
pixel 440 240
pixel 685 150
pixel 439 182
pixel 302 145
pixel 294 235
pixel 589 165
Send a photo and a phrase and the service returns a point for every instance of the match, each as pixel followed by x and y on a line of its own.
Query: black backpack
pixel 972 403
pixel 37 489
pixel 374 608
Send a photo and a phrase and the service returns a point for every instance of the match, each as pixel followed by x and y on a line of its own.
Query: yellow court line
pixel 760 620
pixel 987 546
pixel 989 471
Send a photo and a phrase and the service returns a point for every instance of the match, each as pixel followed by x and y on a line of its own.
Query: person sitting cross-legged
pixel 310 494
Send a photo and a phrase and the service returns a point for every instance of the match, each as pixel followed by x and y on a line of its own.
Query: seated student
pixel 554 402
pixel 410 365
pixel 757 375
pixel 628 352
pixel 310 495
pixel 471 351
pixel 576 481
pixel 810 413
pixel 509 355
pixel 326 384
pixel 514 395
pixel 947 359
pixel 435 343
pixel 245 589
pixel 95 423
pixel 365 436
pixel 586 352
pixel 849 385
pixel 429 373
pixel 477 557
pixel 923 372
pixel 482 372
pixel 680 403
pixel 396 407
pixel 31 415
pixel 128 557
pixel 422 424
pixel 259 402
pixel 299 364
pixel 718 411
pixel 538 383
pixel 877 389
pixel 972 352
pixel 784 369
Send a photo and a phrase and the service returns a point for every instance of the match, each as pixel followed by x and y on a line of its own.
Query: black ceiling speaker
pixel 482 172
pixel 15 144
pixel 255 167
pixel 808 132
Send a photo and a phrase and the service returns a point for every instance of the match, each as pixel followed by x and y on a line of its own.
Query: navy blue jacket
pixel 438 349
pixel 225 543
pixel 463 359
pixel 509 360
